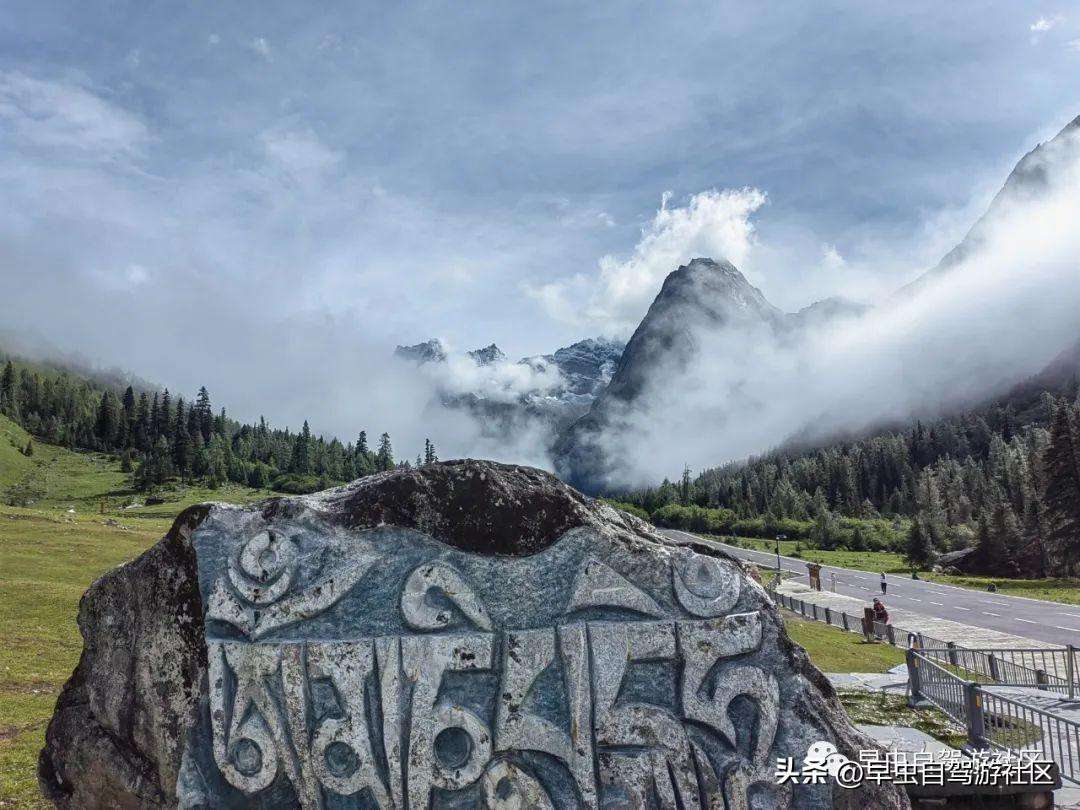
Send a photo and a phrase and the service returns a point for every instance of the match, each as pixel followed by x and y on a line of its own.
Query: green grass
pixel 48 557
pixel 883 709
pixel 834 650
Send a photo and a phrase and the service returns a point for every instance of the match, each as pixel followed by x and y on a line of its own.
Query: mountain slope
pixel 703 294
pixel 1032 179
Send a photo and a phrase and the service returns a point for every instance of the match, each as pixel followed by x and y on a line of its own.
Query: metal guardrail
pixel 1050 669
pixel 992 719
pixel 897 636
pixel 936 674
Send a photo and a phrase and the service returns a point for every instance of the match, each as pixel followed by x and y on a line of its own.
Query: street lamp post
pixel 779 537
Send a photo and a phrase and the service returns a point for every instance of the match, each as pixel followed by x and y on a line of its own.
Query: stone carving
pixel 598 586
pixel 706 586
pixel 429 581
pixel 381 666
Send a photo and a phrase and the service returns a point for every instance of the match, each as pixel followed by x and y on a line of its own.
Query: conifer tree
pixel 204 414
pixel 165 423
pixel 9 401
pixel 1061 464
pixel 181 448
pixel 918 551
pixel 108 420
pixel 384 459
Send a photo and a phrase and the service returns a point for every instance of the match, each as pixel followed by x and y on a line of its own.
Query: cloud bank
pixel 998 317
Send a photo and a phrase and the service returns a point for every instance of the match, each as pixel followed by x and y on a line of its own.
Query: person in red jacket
pixel 880 613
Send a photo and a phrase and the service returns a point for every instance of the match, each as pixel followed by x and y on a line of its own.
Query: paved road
pixel 1046 621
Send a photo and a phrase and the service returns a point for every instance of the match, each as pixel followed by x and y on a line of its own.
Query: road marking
pixel 1026 621
pixel 913 599
pixel 960 607
pixel 988 613
pixel 1070 629
pixel 939 604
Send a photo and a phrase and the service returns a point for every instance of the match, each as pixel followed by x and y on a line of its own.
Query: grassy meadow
pixel 50 551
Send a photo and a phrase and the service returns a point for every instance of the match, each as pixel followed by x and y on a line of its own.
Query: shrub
pixel 633 509
pixel 294 484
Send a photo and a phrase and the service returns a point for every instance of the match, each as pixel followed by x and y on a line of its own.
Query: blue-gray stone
pixel 464 635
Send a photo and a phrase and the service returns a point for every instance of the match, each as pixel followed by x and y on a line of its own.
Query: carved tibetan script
pixel 633 695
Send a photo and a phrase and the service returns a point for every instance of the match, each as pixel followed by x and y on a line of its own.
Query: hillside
pixel 84 520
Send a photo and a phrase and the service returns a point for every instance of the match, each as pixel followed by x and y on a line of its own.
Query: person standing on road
pixel 884 584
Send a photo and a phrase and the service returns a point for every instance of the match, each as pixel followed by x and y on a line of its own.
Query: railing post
pixel 973 712
pixel 890 634
pixel 1041 679
pixel 828 616
pixel 993 667
pixel 813 607
pixel 914 680
pixel 1069 671
pixel 951 646
pixel 843 620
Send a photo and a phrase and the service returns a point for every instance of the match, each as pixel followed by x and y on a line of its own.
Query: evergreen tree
pixel 9 401
pixel 430 457
pixel 384 458
pixel 1061 498
pixel 301 459
pixel 181 441
pixel 918 551
pixel 165 425
pixel 204 414
pixel 108 421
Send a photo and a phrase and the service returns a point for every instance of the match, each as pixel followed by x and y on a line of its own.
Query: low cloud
pixel 998 317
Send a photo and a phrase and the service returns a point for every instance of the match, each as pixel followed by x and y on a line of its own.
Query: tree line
pixel 159 438
pixel 980 480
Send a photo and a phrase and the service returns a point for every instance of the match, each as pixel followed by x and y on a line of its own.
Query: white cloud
pixel 137 274
pixel 715 224
pixel 1073 45
pixel 1044 24
pixel 831 260
pixel 301 153
pixel 213 39
pixel 261 46
pixel 58 114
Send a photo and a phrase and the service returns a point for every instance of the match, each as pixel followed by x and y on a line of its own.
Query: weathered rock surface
pixel 465 635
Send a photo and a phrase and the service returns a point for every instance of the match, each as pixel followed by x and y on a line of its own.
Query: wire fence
pixel 964 684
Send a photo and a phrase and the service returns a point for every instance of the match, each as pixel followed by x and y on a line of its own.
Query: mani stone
pixel 462 635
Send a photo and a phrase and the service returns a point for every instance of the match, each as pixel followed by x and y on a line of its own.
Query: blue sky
pixel 238 174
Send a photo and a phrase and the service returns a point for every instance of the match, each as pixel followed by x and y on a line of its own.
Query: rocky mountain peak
pixel 430 351
pixel 487 355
